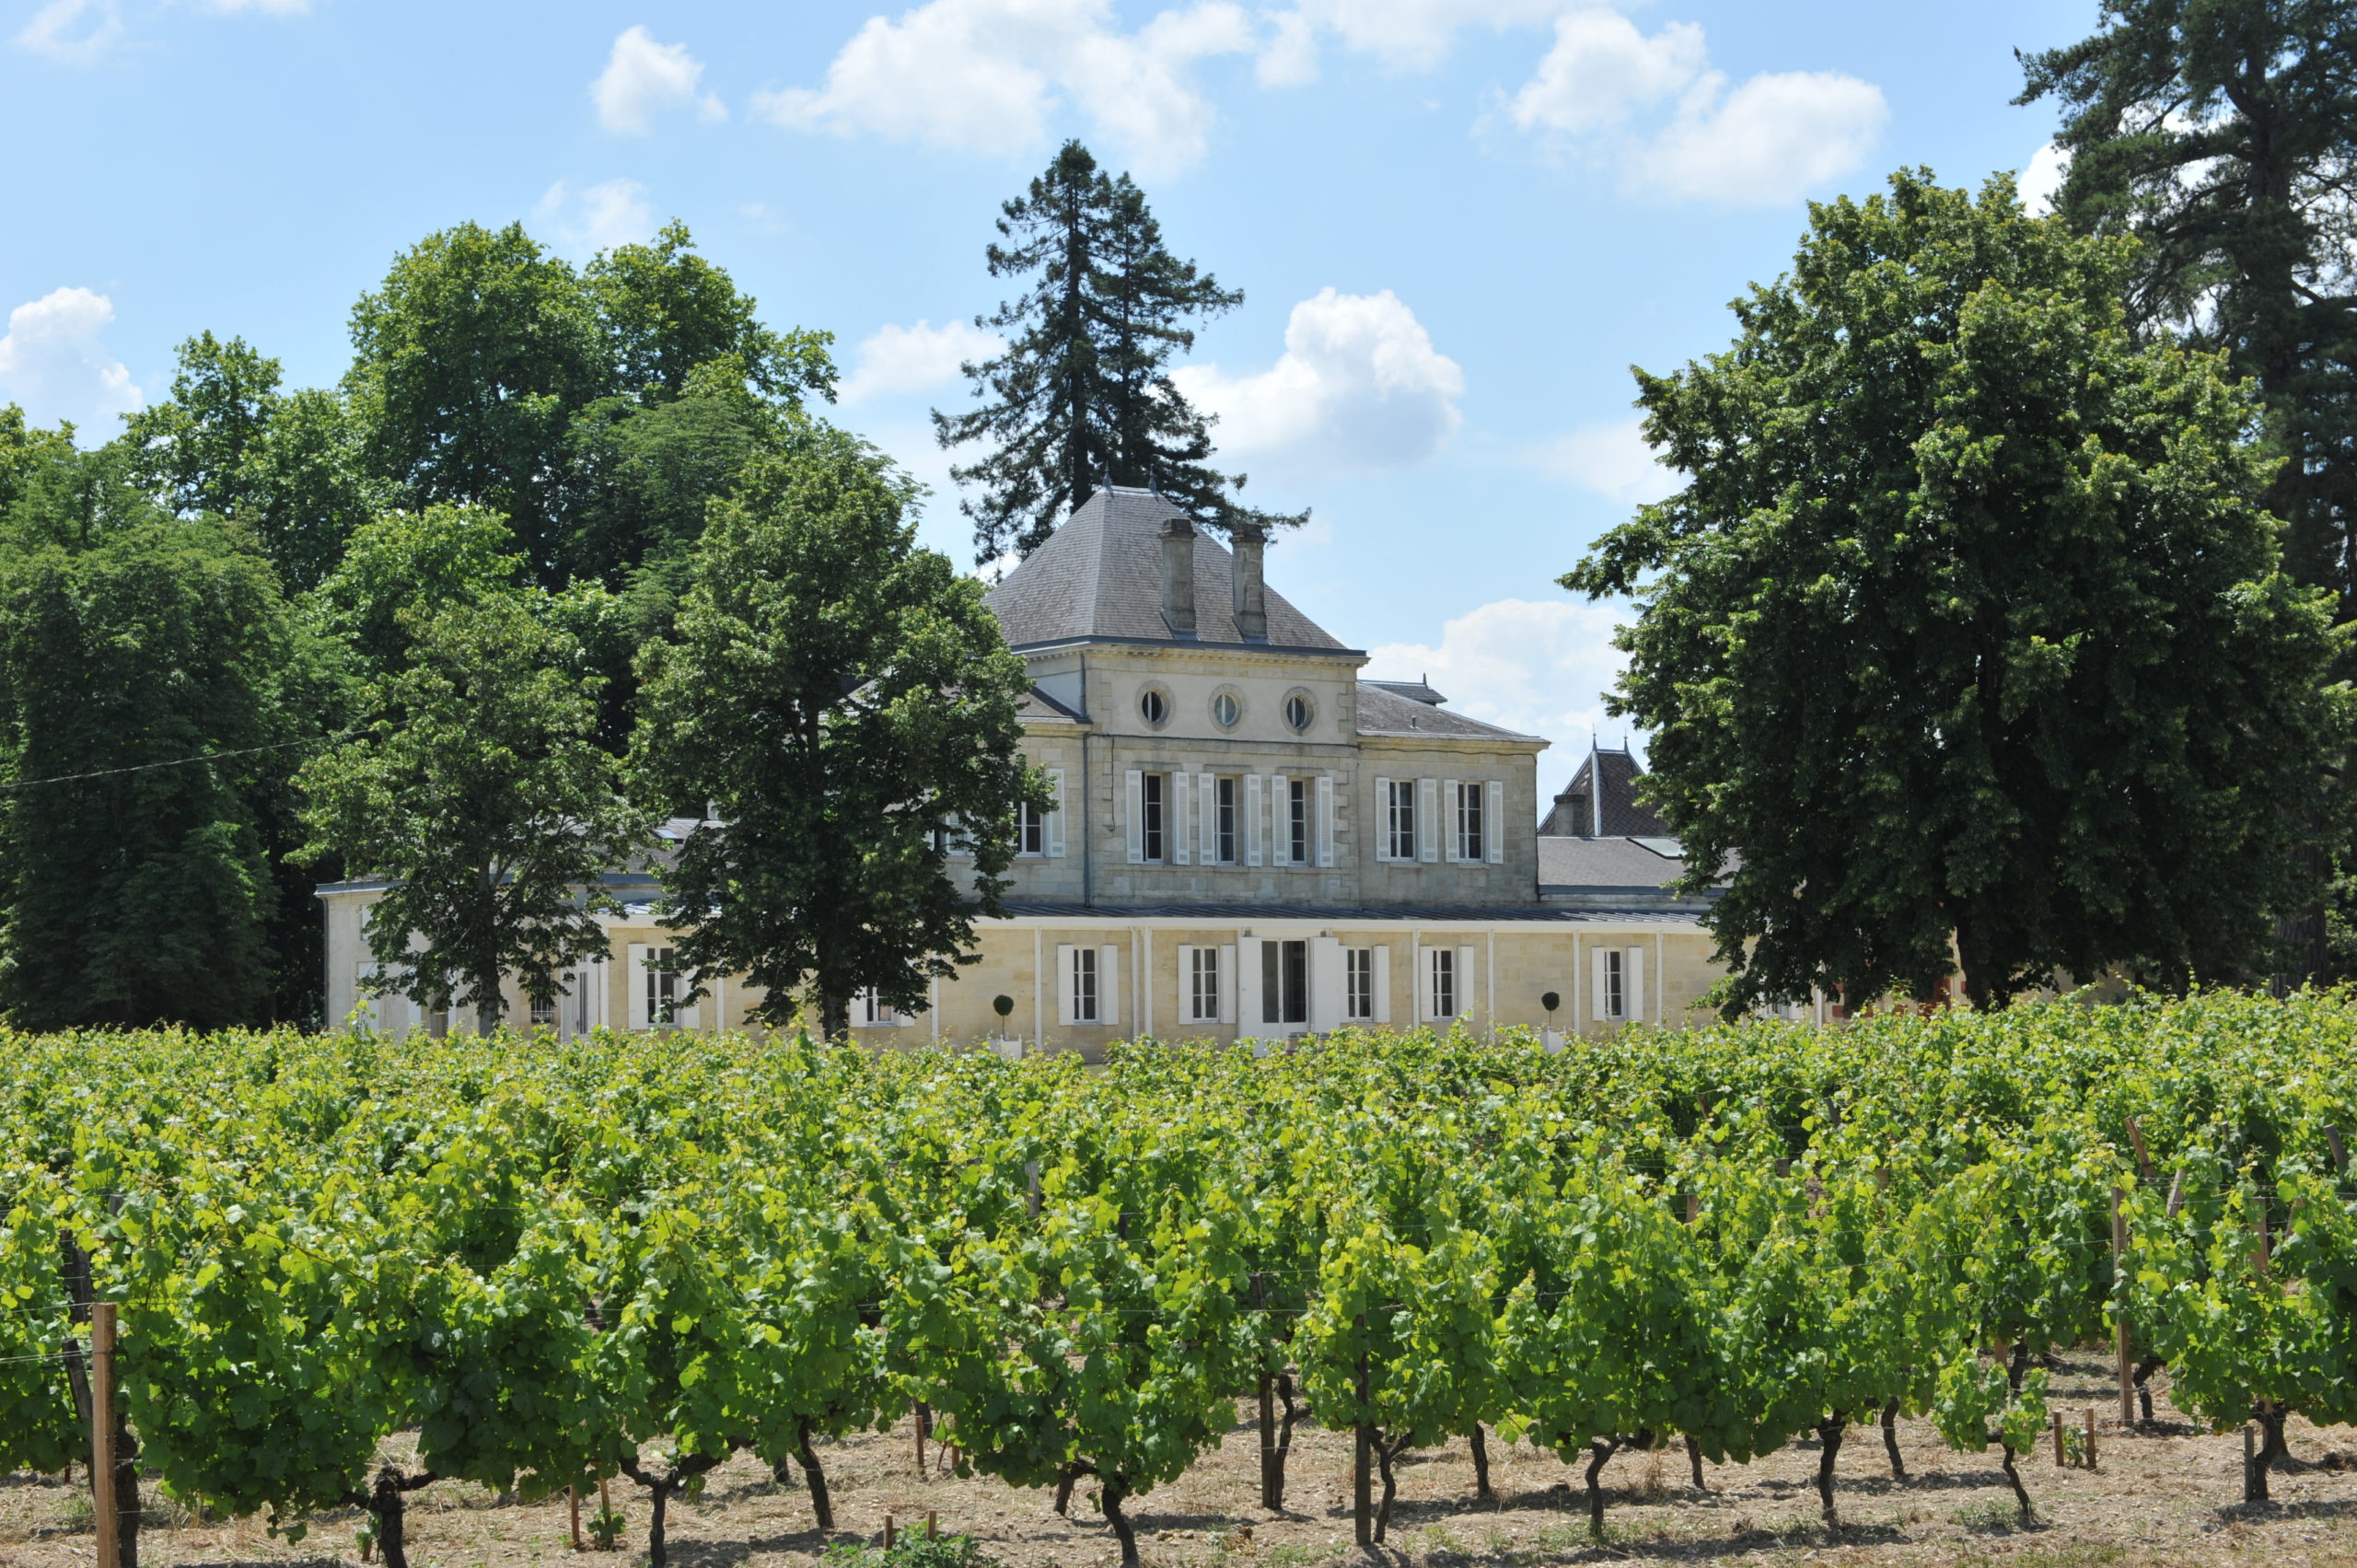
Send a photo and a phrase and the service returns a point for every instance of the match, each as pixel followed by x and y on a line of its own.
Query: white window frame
pixel 1203 984
pixel 1444 997
pixel 1359 985
pixel 1154 819
pixel 1228 821
pixel 1301 836
pixel 1473 822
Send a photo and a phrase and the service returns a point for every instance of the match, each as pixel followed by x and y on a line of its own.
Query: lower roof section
pixel 1331 915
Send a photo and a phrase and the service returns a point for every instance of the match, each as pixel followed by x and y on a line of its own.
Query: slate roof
pixel 1331 915
pixel 1604 863
pixel 1383 711
pixel 1575 810
pixel 1099 577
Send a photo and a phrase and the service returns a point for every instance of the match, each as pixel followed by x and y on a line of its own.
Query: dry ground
pixel 2169 1496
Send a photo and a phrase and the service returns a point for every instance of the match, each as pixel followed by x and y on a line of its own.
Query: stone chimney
pixel 1251 599
pixel 1179 576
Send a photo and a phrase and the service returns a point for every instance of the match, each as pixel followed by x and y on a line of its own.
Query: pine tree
pixel 1082 396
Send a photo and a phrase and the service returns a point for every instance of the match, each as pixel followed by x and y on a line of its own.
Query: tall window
pixel 1031 830
pixel 543 1013
pixel 1443 962
pixel 1358 984
pixel 1225 817
pixel 1470 826
pixel 662 982
pixel 1297 821
pixel 1616 984
pixel 1151 816
pixel 1285 982
pixel 1402 819
pixel 1084 985
pixel 875 1012
pixel 1203 985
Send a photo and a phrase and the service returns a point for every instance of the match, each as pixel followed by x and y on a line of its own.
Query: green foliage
pixel 478 790
pixel 404 568
pixel 154 689
pixel 1082 395
pixel 1967 626
pixel 845 703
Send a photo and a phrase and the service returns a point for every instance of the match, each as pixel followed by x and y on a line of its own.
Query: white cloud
pixel 1290 57
pixel 1602 67
pixel 2042 180
pixel 274 7
pixel 985 76
pixel 1613 460
pixel 73 32
pixel 1538 668
pixel 913 359
pixel 53 364
pixel 1413 35
pixel 644 79
pixel 599 217
pixel 1770 140
pixel 1359 386
pixel 1767 140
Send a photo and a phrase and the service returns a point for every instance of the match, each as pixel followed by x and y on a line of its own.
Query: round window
pixel 1153 706
pixel 1298 712
pixel 1226 710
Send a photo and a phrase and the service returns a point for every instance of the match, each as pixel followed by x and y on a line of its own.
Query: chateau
pixel 1248 842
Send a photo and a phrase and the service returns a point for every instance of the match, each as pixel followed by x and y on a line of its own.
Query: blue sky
pixel 1457 222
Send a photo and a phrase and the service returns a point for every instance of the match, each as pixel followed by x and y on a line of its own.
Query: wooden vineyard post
pixel 605 1502
pixel 2056 1417
pixel 1362 1481
pixel 110 1526
pixel 891 1535
pixel 2125 1363
pixel 933 1524
pixel 2091 1437
pixel 2332 1142
pixel 1267 1413
pixel 572 1506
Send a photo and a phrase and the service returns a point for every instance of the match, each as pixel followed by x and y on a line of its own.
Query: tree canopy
pixel 1081 394
pixel 1969 625
pixel 843 704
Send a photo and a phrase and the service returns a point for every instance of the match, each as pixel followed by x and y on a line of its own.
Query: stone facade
pixel 1252 842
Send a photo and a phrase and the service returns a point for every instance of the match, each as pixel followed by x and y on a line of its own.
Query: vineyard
pixel 627 1259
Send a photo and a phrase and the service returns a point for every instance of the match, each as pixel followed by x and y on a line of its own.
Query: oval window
pixel 1298 712
pixel 1153 708
pixel 1226 710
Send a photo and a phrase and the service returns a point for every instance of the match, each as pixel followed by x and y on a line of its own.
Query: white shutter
pixel 1186 983
pixel 1381 818
pixel 1420 990
pixel 1066 968
pixel 1136 818
pixel 1494 823
pixel 1601 983
pixel 1209 837
pixel 1108 987
pixel 1427 819
pixel 1055 845
pixel 1247 985
pixel 1280 835
pixel 1453 794
pixel 638 1018
pixel 1465 981
pixel 1227 984
pixel 1182 817
pixel 1252 819
pixel 1632 983
pixel 1383 982
pixel 1325 819
pixel 1325 985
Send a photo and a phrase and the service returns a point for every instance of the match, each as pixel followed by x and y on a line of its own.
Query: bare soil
pixel 2166 1494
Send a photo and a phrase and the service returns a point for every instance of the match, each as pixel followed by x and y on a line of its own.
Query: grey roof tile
pixel 1385 712
pixel 1100 576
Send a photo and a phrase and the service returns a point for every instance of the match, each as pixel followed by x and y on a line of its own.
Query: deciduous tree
pixel 1969 627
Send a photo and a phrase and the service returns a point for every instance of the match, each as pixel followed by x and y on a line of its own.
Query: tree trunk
pixel 1384 1453
pixel 1890 1440
pixel 658 1553
pixel 2013 1476
pixel 1828 1437
pixel 821 1503
pixel 2016 1368
pixel 1362 1500
pixel 1479 1444
pixel 1110 1491
pixel 2144 1370
pixel 1269 1490
pixel 1284 1436
pixel 834 1017
pixel 392 1537
pixel 661 1487
pixel 487 1011
pixel 1694 1459
pixel 1599 1450
pixel 2273 1452
pixel 1064 1481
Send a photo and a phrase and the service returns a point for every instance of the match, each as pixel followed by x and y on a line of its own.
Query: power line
pixel 177 762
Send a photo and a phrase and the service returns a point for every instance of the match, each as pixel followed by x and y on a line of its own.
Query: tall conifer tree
pixel 1083 392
